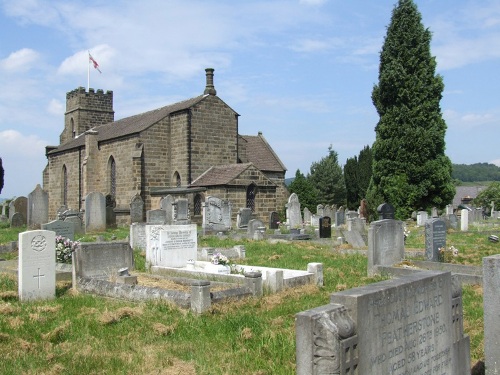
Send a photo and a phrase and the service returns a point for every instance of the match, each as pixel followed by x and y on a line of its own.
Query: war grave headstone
pixel 136 209
pixel 274 220
pixel 385 244
pixel 37 207
pixel 243 217
pixel 422 217
pixel 181 212
pixel 491 288
pixel 156 217
pixel 167 205
pixel 464 220
pixel 293 215
pixel 216 214
pixel 95 212
pixel 137 236
pixel 407 325
pixel 178 244
pixel 325 227
pixel 37 265
pixel 307 216
pixel 102 260
pixel 320 210
pixel 62 228
pixel 435 239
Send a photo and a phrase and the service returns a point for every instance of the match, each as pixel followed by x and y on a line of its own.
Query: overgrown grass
pixel 84 334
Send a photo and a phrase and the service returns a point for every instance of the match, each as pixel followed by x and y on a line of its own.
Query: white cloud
pixel 56 107
pixel 20 60
pixel 313 2
pixel 311 45
pixel 496 162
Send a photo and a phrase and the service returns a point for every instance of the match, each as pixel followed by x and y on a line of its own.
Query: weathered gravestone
pixel 453 221
pixel 62 228
pixel 434 212
pixel 243 217
pixel 315 221
pixel 136 209
pixel 256 229
pixel 74 217
pixel 320 210
pixel 293 215
pixel 491 288
pixel 340 217
pixel 19 205
pixel 17 220
pixel 356 224
pixel 37 207
pixel 178 244
pixel 422 217
pixel 327 211
pixel 409 325
pixel 156 217
pixel 181 212
pixel 354 238
pixel 110 211
pixel 153 244
pixel 167 205
pixel 102 260
pixel 137 236
pixel 37 265
pixel 274 220
pixel 325 227
pixel 385 244
pixel 435 239
pixel 216 214
pixel 307 216
pixel 95 212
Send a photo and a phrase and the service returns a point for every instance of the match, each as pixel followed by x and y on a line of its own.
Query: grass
pixel 84 334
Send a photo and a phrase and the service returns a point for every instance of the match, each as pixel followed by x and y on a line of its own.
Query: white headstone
pixel 464 220
pixel 178 244
pixel 37 265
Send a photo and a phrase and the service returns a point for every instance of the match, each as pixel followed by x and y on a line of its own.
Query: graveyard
pixel 337 294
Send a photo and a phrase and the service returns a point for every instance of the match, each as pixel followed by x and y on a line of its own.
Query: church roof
pixel 130 125
pixel 260 153
pixel 221 174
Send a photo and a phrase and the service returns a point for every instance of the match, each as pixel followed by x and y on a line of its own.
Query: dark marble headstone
pixel 385 211
pixel 325 227
pixel 274 220
pixel 435 238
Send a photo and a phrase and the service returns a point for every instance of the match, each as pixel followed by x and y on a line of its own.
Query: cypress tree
pixel 410 169
pixel 327 177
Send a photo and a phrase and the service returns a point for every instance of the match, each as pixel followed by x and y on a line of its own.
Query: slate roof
pixel 260 153
pixel 130 125
pixel 466 191
pixel 220 174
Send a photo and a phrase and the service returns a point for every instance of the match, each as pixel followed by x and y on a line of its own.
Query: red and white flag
pixel 96 65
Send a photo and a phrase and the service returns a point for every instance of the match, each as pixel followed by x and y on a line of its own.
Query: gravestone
pixel 37 265
pixel 351 215
pixel 319 210
pixel 156 217
pixel 178 244
pixel 17 220
pixel 340 217
pixel 464 220
pixel 19 205
pixel 62 228
pixel 254 226
pixel 167 205
pixel 72 216
pixel 244 216
pixel 434 212
pixel 307 216
pixel 327 211
pixel 325 227
pixel 422 217
pixel 435 239
pixel 386 211
pixel 216 214
pixel 491 286
pixel 363 209
pixel 138 236
pixel 274 220
pixel 110 211
pixel 449 209
pixel 293 215
pixel 181 212
pixel 60 211
pixel 315 221
pixel 95 212
pixel 354 238
pixel 357 224
pixel 453 220
pixel 407 325
pixel 136 209
pixel 385 244
pixel 37 207
pixel 153 245
pixel 102 260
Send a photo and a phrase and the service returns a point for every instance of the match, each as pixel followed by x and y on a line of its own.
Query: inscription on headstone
pixel 136 209
pixel 293 215
pixel 61 228
pixel 178 244
pixel 435 239
pixel 325 227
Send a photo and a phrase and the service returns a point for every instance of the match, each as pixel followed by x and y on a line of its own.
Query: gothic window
pixel 65 186
pixel 251 191
pixel 177 179
pixel 73 131
pixel 112 176
pixel 197 204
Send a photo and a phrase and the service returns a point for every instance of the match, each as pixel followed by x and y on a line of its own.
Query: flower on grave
pixel 218 258
pixel 64 249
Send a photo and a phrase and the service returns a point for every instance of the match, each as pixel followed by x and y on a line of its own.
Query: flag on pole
pixel 96 65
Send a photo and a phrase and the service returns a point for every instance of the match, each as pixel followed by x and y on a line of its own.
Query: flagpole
pixel 88 72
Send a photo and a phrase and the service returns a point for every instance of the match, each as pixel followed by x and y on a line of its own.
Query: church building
pixel 190 149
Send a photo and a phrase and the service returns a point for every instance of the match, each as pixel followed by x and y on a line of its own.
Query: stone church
pixel 190 149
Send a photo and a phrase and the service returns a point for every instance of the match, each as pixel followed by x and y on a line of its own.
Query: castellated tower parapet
pixel 85 110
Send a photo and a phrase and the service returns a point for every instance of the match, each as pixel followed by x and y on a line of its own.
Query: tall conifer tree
pixel 410 168
pixel 1 175
pixel 327 177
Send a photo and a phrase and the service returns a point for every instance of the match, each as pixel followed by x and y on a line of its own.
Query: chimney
pixel 210 89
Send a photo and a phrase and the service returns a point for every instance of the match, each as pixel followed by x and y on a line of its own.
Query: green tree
pixel 410 169
pixel 1 175
pixel 488 195
pixel 327 177
pixel 305 190
pixel 357 175
pixel 351 182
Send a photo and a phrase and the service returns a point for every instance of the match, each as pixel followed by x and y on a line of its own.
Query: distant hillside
pixel 476 172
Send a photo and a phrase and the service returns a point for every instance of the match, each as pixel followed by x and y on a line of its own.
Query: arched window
pixel 73 131
pixel 251 192
pixel 112 176
pixel 197 204
pixel 64 186
pixel 177 179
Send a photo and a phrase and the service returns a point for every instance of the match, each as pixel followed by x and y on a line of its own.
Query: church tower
pixel 85 110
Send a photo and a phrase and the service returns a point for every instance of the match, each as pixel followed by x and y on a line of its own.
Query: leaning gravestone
pixel 325 227
pixel 435 239
pixel 409 325
pixel 385 244
pixel 95 212
pixel 178 244
pixel 136 209
pixel 37 265
pixel 38 207
pixel 62 228
pixel 137 236
pixel 293 215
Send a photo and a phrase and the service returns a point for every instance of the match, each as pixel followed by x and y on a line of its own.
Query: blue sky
pixel 299 71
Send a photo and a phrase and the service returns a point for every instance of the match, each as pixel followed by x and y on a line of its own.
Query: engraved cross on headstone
pixel 38 277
